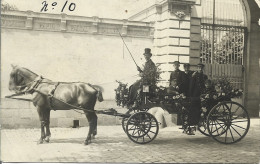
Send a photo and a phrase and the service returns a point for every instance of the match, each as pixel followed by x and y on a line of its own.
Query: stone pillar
pixel 29 20
pixel 95 25
pixel 124 27
pixel 172 35
pixel 252 64
pixel 63 22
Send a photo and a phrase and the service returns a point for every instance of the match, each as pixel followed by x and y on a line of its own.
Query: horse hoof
pixel 86 143
pixel 40 141
pixel 47 139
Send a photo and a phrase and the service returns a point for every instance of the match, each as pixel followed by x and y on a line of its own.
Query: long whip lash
pixel 127 47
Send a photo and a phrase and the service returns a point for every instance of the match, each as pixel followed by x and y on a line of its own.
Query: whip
pixel 127 48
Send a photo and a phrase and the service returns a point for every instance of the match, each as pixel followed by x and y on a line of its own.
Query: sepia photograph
pixel 130 81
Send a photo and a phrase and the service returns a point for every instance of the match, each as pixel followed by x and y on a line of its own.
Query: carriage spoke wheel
pixel 125 119
pixel 202 126
pixel 228 122
pixel 142 127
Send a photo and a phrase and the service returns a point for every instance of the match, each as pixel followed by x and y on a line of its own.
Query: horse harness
pixel 50 95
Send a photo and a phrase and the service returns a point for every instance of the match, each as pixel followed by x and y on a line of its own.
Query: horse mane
pixel 29 71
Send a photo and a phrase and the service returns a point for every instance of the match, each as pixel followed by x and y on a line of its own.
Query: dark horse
pixel 78 94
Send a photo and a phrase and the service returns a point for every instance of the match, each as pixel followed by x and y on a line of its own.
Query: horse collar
pixel 37 81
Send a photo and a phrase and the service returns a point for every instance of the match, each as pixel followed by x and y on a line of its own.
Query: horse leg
pixel 41 117
pixel 95 126
pixel 48 132
pixel 91 123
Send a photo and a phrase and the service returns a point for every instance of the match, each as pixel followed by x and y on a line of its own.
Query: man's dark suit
pixel 188 84
pixel 180 79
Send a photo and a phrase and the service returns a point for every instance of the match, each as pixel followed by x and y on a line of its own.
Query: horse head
pixel 20 78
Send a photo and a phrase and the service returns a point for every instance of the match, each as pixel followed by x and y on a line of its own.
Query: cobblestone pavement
pixel 112 145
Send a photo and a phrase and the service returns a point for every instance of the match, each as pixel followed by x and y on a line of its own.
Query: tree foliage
pixel 228 50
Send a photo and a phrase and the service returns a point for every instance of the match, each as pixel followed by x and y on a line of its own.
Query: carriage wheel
pixel 142 127
pixel 228 122
pixel 125 119
pixel 202 126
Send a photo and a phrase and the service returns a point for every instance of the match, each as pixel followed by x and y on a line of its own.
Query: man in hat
pixel 148 77
pixel 196 89
pixel 198 81
pixel 178 78
pixel 188 73
pixel 148 73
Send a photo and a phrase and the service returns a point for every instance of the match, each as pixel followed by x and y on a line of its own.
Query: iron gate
pixel 223 35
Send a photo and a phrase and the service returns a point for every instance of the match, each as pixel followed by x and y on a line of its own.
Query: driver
pixel 148 74
pixel 148 77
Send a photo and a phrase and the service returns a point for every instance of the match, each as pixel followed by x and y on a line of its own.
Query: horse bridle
pixel 33 84
pixel 29 90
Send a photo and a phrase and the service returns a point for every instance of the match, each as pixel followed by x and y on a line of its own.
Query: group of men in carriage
pixel 187 82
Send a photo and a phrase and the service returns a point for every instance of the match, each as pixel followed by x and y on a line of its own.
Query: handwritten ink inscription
pixel 67 6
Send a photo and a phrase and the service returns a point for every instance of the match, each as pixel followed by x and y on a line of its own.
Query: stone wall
pixel 73 48
pixel 22 114
pixel 69 48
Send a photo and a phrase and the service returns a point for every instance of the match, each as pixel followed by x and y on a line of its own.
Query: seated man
pixel 148 77
pixel 208 97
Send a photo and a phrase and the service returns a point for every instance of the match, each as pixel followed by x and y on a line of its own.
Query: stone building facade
pixel 74 48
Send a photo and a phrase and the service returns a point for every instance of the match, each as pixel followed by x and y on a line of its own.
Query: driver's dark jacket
pixel 149 73
pixel 148 77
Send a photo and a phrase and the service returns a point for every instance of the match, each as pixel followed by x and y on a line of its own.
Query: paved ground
pixel 112 145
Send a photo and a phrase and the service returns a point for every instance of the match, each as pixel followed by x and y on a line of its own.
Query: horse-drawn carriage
pixel 226 122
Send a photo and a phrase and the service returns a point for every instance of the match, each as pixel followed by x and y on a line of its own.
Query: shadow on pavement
pixel 180 141
pixel 68 140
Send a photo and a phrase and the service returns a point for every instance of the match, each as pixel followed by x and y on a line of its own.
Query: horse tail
pixel 99 92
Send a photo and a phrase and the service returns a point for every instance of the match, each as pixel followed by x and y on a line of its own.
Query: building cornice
pixel 28 20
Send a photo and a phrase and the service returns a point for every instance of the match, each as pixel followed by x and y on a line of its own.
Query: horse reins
pixel 33 88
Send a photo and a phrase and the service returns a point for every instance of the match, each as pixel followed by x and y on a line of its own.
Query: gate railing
pixel 234 73
pixel 223 35
pixel 223 53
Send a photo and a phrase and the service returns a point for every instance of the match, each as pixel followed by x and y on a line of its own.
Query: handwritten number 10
pixel 72 6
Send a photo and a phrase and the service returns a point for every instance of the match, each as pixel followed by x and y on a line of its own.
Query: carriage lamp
pixel 146 88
